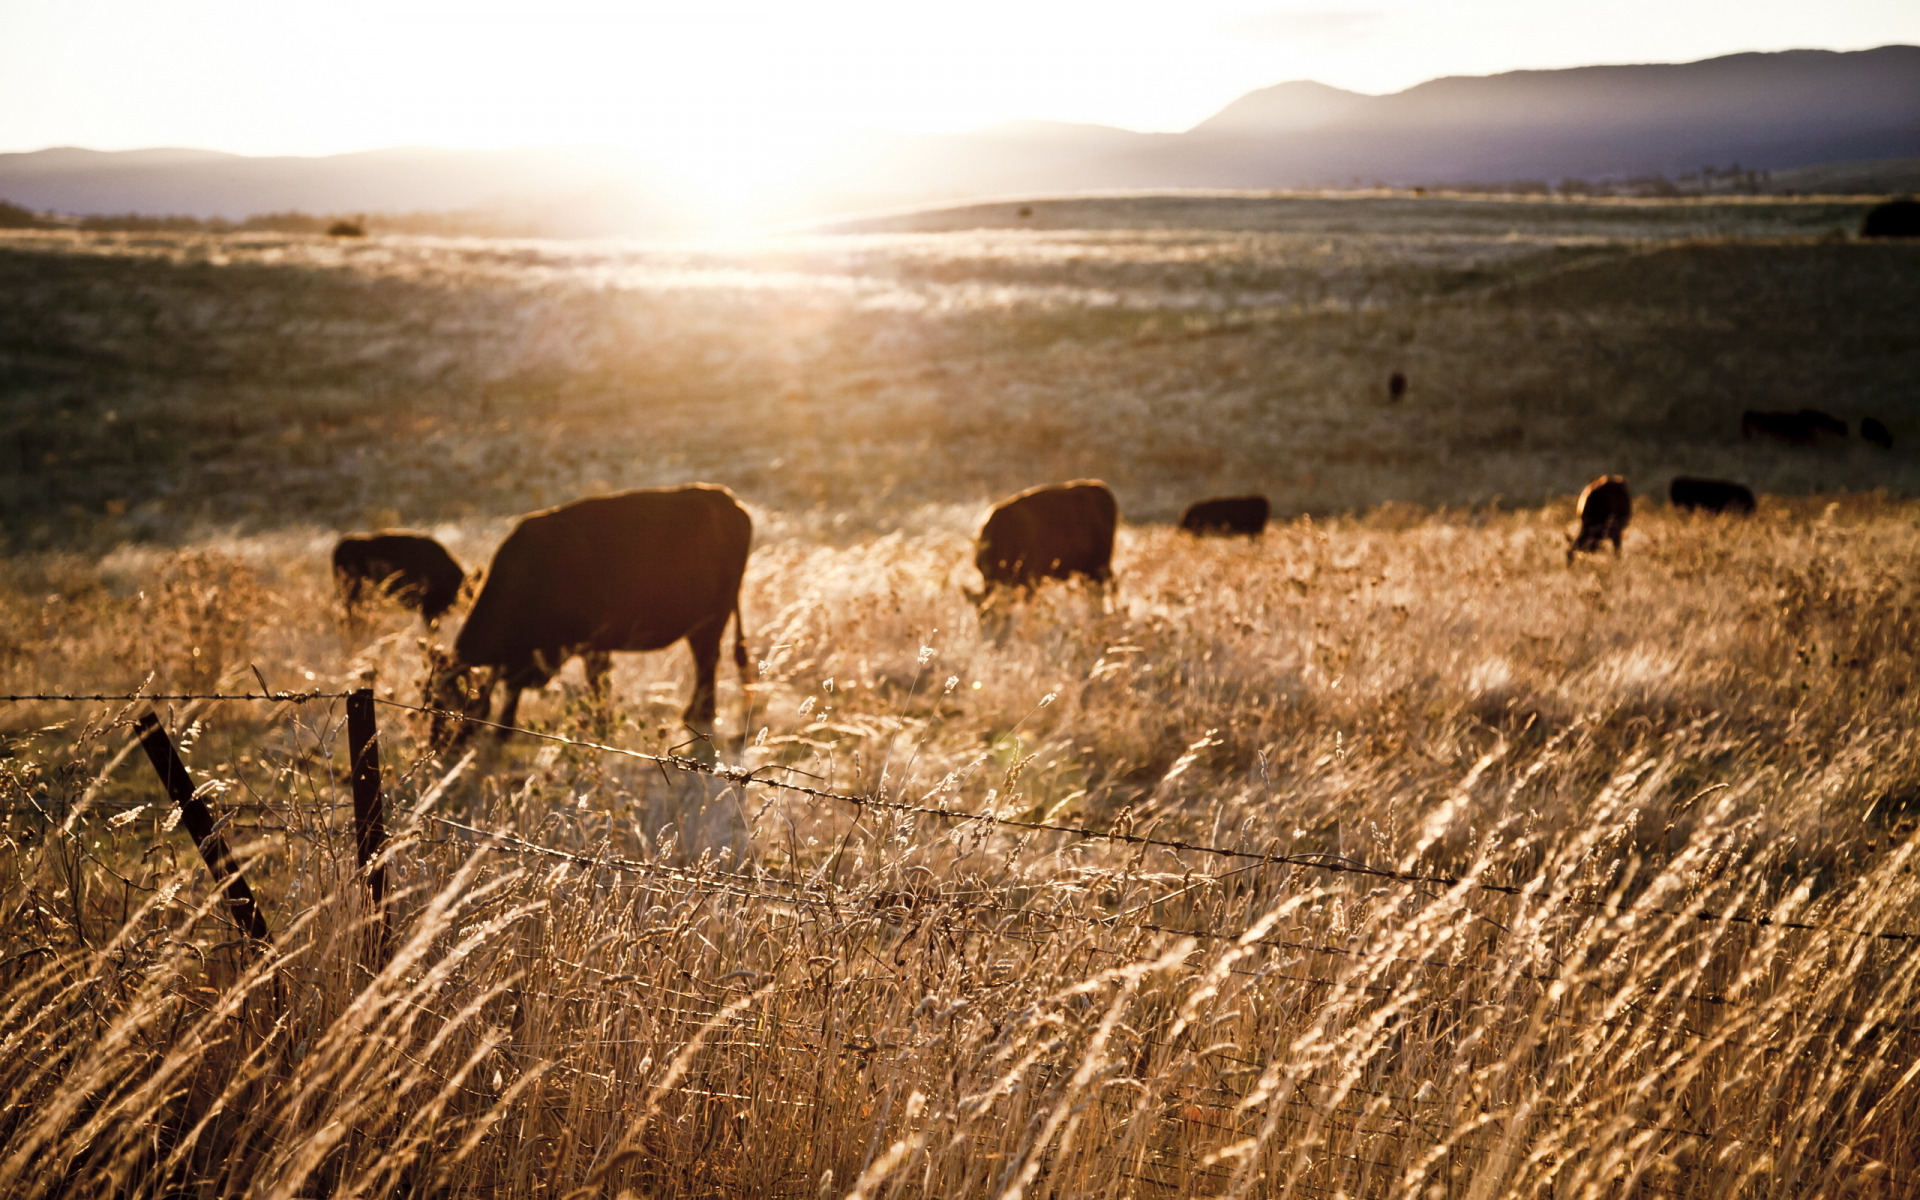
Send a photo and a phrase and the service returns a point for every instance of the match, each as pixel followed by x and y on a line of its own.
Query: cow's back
pixel 632 571
pixel 1050 532
pixel 1714 495
pixel 1228 515
pixel 425 574
pixel 1606 501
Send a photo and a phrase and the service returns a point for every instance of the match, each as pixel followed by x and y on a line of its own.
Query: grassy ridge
pixel 197 381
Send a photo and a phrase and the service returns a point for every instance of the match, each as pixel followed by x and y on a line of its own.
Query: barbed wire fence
pixel 373 852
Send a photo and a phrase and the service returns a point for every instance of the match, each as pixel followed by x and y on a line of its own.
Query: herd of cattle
pixel 641 570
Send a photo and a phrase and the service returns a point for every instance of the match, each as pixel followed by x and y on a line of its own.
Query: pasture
pixel 1545 880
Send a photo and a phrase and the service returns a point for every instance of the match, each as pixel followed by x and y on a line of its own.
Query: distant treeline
pixel 1707 181
pixel 447 224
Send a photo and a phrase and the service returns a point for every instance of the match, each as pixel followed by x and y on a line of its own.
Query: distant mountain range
pixel 1765 112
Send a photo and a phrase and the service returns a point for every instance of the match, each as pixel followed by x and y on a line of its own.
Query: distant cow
pixel 1714 495
pixel 412 568
pixel 1227 515
pixel 1801 428
pixel 1605 508
pixel 1051 532
pixel 634 571
pixel 1895 218
pixel 1872 430
pixel 1786 426
pixel 1824 422
pixel 1397 386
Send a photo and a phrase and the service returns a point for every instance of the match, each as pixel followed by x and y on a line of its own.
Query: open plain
pixel 1384 855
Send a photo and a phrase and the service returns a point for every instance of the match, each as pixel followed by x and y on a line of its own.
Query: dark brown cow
pixel 1714 495
pixel 1785 426
pixel 1227 515
pixel 1892 219
pixel 634 571
pixel 1872 429
pixel 1823 422
pixel 1051 532
pixel 1605 508
pixel 1801 428
pixel 412 568
pixel 1397 386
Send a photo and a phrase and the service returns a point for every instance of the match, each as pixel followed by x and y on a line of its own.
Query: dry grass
pixel 764 990
pixel 705 990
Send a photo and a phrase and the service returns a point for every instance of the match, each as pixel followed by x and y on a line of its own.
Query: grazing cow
pixel 1714 495
pixel 1605 508
pixel 1397 387
pixel 1051 532
pixel 412 568
pixel 1823 422
pixel 633 571
pixel 1872 430
pixel 1894 218
pixel 1801 428
pixel 1227 515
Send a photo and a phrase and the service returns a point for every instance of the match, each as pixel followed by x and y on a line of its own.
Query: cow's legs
pixel 704 641
pixel 509 710
pixel 599 665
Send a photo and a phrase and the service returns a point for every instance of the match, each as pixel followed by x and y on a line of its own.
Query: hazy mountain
pixel 574 193
pixel 1283 108
pixel 1764 111
pixel 1768 112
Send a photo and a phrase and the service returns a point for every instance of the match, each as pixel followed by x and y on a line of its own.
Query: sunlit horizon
pixel 737 99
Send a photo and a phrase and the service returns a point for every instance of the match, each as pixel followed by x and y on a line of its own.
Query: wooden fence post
pixel 369 818
pixel 198 819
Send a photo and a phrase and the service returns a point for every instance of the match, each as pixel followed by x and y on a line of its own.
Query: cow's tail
pixel 740 643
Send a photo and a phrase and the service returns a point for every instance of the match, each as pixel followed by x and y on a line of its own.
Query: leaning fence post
pixel 198 819
pixel 369 821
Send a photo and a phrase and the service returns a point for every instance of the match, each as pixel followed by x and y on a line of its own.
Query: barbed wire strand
pixel 1313 861
pixel 750 777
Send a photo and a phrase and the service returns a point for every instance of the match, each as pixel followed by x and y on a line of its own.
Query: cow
pixel 1872 430
pixel 1713 495
pixel 1396 387
pixel 1823 422
pixel 636 570
pixel 412 568
pixel 1786 426
pixel 1801 428
pixel 1892 219
pixel 1227 515
pixel 1055 531
pixel 1605 507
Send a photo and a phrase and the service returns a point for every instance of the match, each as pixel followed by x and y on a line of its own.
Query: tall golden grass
pixel 656 984
pixel 612 978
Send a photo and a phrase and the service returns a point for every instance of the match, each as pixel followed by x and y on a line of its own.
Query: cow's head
pixel 453 690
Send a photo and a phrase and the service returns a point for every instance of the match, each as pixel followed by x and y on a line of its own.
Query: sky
pixel 701 84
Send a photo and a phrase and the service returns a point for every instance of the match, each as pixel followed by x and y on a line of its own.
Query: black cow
pixel 1227 515
pixel 1396 386
pixel 412 568
pixel 633 571
pixel 1872 430
pixel 1894 218
pixel 1605 508
pixel 1714 495
pixel 1051 532
pixel 1823 422
pixel 1801 428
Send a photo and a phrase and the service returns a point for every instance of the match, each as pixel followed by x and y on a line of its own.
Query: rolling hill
pixel 1779 112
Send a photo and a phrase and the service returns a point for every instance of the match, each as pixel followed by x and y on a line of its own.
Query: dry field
pixel 1546 881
